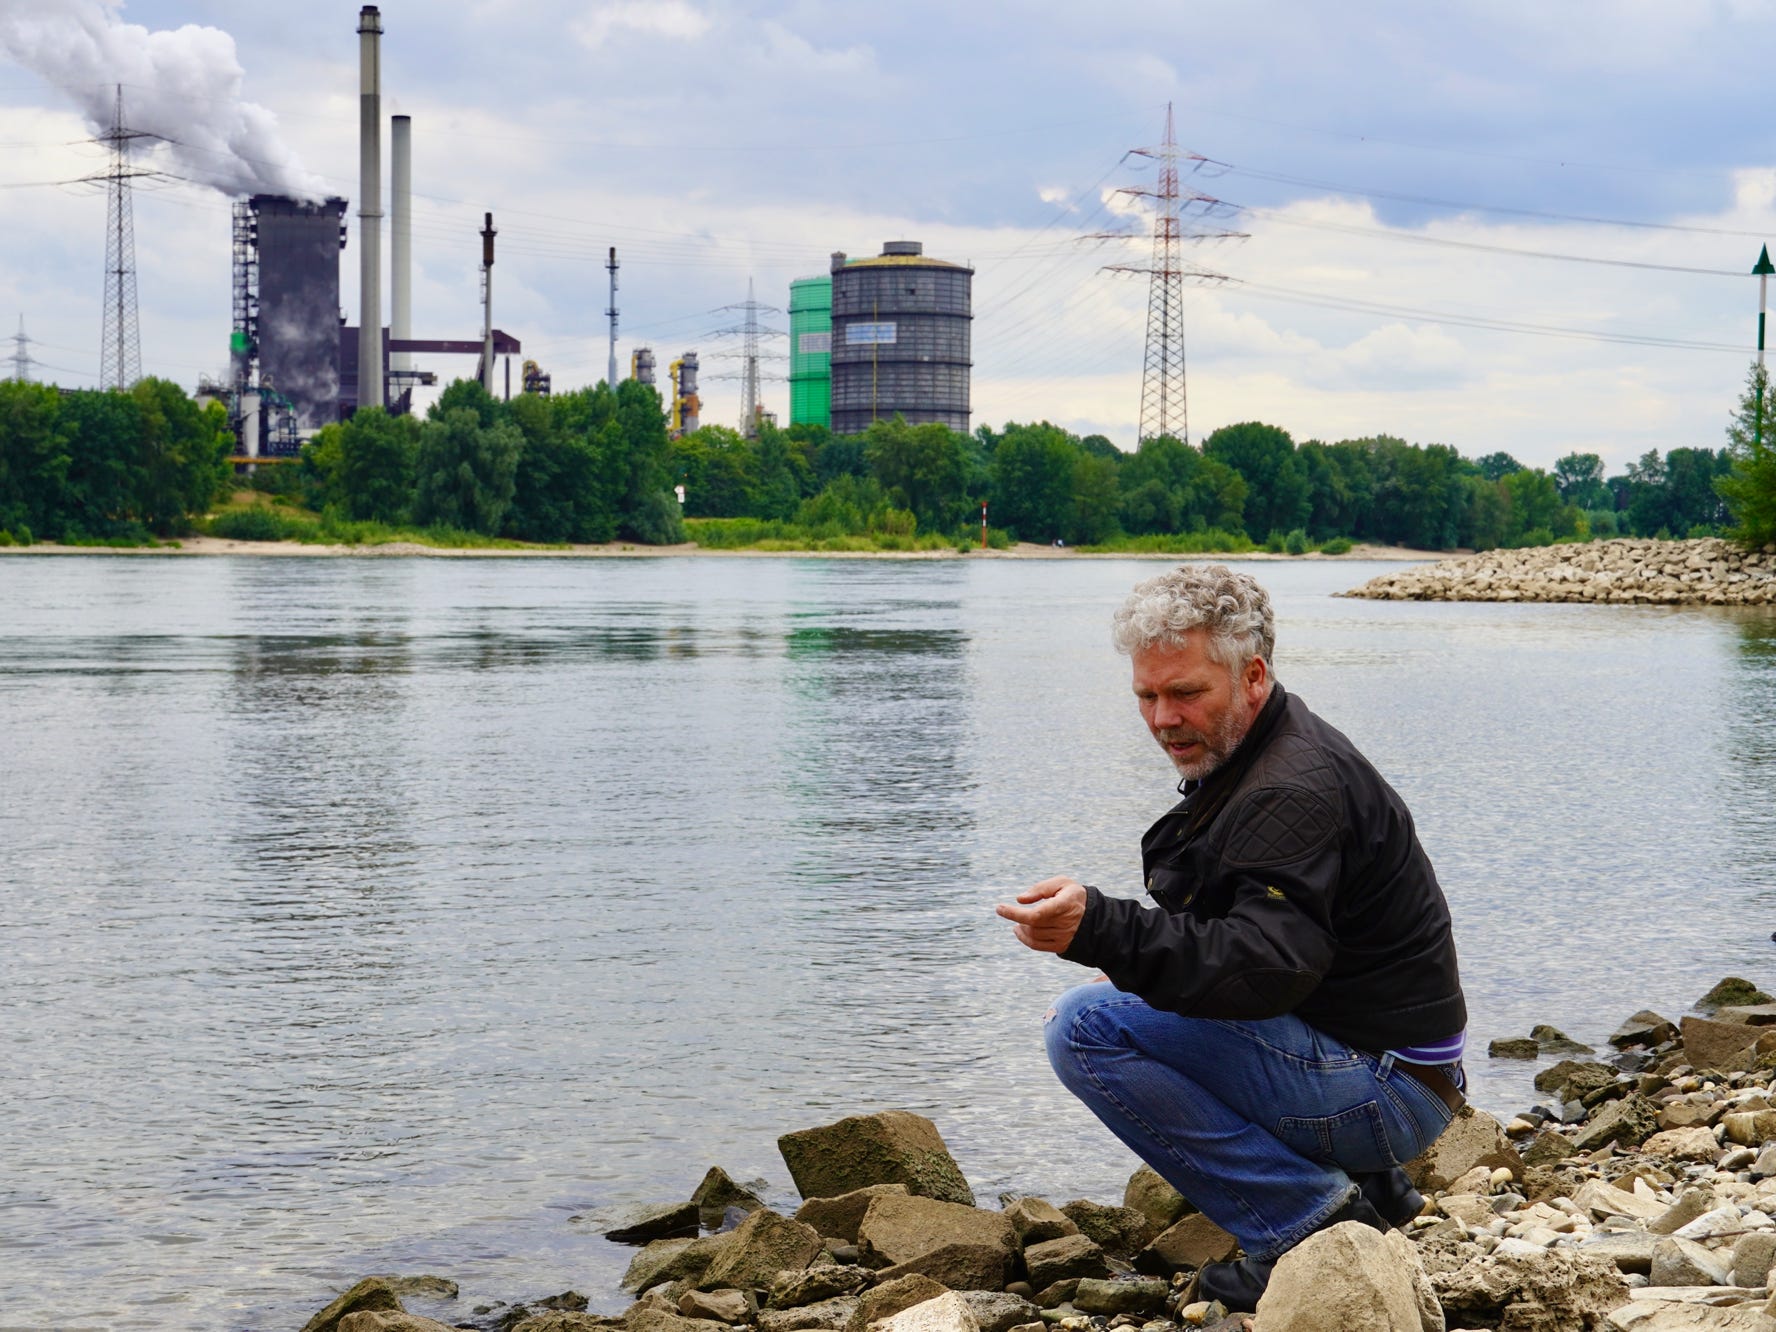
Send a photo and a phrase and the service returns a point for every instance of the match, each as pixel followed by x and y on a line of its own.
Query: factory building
pixel 286 306
pixel 810 351
pixel 900 339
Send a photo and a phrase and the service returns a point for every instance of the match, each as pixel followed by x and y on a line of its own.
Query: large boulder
pixel 1036 1220
pixel 1550 1288
pixel 672 1260
pixel 1682 1262
pixel 1137 1295
pixel 1629 1122
pixel 890 1298
pixel 1190 1242
pixel 825 1281
pixel 949 1312
pixel 1644 1028
pixel 899 1229
pixel 1149 1194
pixel 1473 1138
pixel 387 1321
pixel 997 1311
pixel 838 1217
pixel 717 1193
pixel 1717 1045
pixel 893 1147
pixel 1732 992
pixel 646 1317
pixel 958 1266
pixel 720 1306
pixel 1114 1229
pixel 1345 1277
pixel 372 1294
pixel 1571 1079
pixel 763 1245
pixel 1058 1259
pixel 822 1316
pixel 663 1221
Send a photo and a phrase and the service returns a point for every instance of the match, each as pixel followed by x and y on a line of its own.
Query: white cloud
pixel 674 19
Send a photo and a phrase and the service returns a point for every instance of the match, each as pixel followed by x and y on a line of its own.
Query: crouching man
pixel 1283 1026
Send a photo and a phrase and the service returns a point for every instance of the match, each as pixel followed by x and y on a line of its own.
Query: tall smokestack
pixel 401 235
pixel 370 207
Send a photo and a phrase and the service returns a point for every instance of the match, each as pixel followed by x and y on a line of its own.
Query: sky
pixel 1502 226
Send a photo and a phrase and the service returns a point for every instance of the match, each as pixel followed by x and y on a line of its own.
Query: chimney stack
pixel 401 236
pixel 370 207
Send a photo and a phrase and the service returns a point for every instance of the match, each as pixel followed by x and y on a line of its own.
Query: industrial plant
pixel 872 339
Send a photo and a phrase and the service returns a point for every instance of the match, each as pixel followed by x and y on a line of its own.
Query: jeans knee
pixel 1060 1028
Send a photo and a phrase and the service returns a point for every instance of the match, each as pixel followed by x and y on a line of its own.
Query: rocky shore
pixel 1659 573
pixel 1638 1195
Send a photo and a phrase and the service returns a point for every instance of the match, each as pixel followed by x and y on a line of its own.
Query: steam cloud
pixel 182 84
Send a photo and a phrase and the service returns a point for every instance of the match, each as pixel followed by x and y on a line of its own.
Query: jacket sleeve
pixel 1280 868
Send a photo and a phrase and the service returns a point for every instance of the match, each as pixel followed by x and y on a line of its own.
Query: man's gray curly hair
pixel 1231 606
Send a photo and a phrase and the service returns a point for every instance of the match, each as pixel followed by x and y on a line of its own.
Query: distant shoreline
pixel 211 546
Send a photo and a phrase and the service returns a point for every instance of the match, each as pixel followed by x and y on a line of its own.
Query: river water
pixel 388 915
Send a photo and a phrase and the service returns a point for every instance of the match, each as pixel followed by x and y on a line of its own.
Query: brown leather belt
pixel 1437 1080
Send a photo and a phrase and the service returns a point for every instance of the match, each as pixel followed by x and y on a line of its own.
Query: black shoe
pixel 1391 1194
pixel 1240 1285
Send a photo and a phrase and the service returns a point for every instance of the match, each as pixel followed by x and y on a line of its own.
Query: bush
pixel 1536 536
pixel 258 524
pixel 23 536
pixel 1602 522
pixel 1336 546
pixel 1296 542
pixel 6 538
pixel 1274 543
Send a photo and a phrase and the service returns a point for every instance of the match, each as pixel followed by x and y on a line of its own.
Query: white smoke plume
pixel 183 84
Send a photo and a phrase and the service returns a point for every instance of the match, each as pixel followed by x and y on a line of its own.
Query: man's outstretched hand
pixel 1047 916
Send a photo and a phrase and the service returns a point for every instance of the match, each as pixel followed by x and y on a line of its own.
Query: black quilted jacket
pixel 1291 882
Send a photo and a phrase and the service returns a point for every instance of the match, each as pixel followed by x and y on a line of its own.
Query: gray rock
pixel 1765 1165
pixel 893 1147
pixel 999 1311
pixel 1513 1048
pixel 1691 1204
pixel 665 1221
pixel 793 1290
pixel 1629 1250
pixel 1070 1256
pixel 383 1320
pixel 646 1317
pixel 1572 1077
pixel 718 1192
pixel 898 1230
pixel 1555 1041
pixel 372 1294
pixel 1630 1122
pixel 1549 1148
pixel 821 1316
pixel 1130 1295
pixel 1737 1158
pixel 423 1287
pixel 1644 1028
pixel 1056 1293
pixel 1753 1256
pixel 1682 1262
pixel 764 1245
pixel 1036 1220
pixel 567 1320
pixel 1343 1278
pixel 840 1216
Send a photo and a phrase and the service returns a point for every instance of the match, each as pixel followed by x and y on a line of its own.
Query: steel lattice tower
pixel 1163 405
pixel 21 356
pixel 750 331
pixel 120 346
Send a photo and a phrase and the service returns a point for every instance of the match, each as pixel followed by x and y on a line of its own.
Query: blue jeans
pixel 1260 1124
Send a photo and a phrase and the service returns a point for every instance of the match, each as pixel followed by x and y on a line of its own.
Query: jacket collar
pixel 1207 797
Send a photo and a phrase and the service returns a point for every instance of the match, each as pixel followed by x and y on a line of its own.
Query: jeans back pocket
pixel 1354 1139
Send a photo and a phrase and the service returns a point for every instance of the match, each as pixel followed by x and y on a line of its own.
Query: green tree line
pixel 84 465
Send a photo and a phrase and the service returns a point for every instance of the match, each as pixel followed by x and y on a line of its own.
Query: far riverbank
pixel 205 545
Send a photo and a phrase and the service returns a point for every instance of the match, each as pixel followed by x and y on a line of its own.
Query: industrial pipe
pixel 401 236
